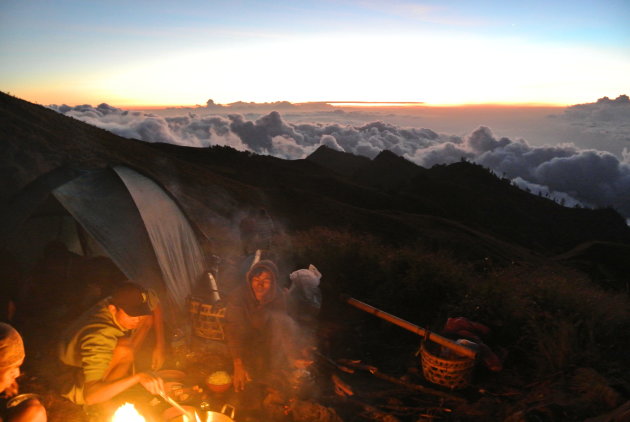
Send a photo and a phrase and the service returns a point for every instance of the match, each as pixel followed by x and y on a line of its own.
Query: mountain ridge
pixel 387 196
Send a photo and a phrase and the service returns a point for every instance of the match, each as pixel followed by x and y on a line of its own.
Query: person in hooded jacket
pixel 261 336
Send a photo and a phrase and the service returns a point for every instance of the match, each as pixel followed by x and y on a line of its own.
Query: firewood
pixel 374 371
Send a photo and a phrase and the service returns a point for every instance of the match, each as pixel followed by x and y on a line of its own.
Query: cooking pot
pixel 222 416
pixel 174 415
pixel 21 398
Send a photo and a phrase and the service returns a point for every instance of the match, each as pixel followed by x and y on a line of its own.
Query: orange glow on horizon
pixel 359 104
pixel 504 105
pixel 373 103
pixel 157 107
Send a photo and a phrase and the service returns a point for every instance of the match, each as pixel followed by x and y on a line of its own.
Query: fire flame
pixel 127 413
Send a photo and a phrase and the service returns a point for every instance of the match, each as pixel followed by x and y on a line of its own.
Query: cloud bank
pixel 570 175
pixel 606 117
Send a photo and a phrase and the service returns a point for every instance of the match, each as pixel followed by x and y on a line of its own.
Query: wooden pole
pixel 436 338
pixel 375 371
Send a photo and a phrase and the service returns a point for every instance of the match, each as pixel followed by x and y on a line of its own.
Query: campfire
pixel 128 413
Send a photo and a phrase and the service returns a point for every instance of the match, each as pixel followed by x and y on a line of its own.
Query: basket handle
pixel 196 316
pixel 227 406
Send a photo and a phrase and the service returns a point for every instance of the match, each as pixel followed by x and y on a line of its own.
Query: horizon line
pixel 392 104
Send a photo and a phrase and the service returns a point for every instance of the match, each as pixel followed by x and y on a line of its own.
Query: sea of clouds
pixel 562 171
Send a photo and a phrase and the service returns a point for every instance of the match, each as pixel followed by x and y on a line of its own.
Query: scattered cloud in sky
pixel 570 174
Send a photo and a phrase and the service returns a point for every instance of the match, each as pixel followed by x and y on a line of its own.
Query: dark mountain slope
pixel 388 196
pixel 607 263
pixel 472 195
pixel 268 172
pixel 342 163
pixel 463 192
pixel 387 171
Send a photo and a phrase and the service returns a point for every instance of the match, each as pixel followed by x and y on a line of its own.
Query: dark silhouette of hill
pixel 342 163
pixel 462 206
pixel 470 194
pixel 605 262
pixel 387 171
pixel 462 191
pixel 473 195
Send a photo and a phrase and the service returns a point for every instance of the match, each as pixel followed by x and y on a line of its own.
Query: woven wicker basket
pixel 207 320
pixel 453 372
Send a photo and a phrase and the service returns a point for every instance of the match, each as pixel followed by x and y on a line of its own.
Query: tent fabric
pixel 99 201
pixel 174 243
pixel 31 198
pixel 29 243
pixel 129 216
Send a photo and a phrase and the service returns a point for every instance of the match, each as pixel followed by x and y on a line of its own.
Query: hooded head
pixel 262 279
pixel 11 355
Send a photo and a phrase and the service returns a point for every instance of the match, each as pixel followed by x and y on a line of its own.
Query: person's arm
pixel 106 360
pixel 241 376
pixel 100 391
pixel 156 321
pixel 235 339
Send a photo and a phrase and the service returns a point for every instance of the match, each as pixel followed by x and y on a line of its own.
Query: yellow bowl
pixel 219 388
pixel 219 381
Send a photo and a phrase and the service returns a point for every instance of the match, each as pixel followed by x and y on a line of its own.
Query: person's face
pixel 8 376
pixel 261 284
pixel 124 320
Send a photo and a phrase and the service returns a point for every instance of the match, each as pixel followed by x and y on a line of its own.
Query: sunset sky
pixel 155 52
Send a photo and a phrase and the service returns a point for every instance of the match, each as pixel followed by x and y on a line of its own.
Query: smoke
pixel 564 172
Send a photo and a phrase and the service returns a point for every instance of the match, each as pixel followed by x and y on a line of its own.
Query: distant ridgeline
pixel 388 184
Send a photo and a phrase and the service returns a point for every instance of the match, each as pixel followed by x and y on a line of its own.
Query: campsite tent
pixel 116 212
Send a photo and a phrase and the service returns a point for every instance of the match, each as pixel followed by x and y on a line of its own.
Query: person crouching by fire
pixel 262 338
pixel 98 350
pixel 11 358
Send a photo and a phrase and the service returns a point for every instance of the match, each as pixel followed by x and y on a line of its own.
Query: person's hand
pixel 158 358
pixel 240 377
pixel 153 384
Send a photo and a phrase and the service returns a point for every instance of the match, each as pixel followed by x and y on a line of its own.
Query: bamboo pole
pixel 436 338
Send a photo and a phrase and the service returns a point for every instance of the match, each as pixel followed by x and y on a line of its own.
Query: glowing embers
pixel 127 413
